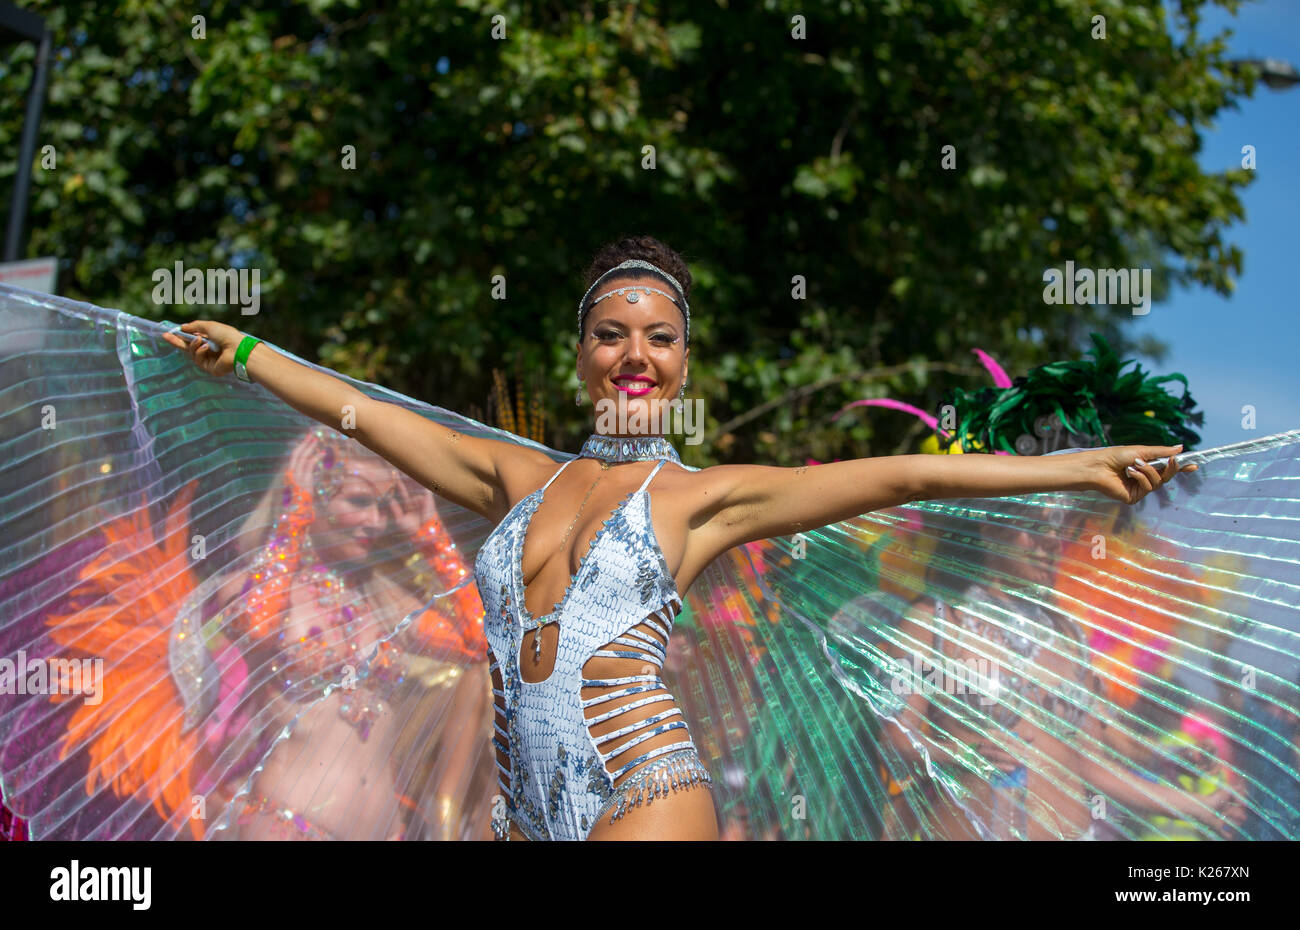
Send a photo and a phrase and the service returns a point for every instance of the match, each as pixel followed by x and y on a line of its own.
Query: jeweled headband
pixel 632 291
pixel 328 471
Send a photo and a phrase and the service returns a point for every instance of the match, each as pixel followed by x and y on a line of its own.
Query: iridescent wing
pixel 173 661
pixel 1053 665
pixel 1046 666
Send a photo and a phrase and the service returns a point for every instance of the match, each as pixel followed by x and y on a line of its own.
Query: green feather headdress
pixel 1087 403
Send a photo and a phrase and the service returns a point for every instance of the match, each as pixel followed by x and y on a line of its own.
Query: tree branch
pixel 809 389
pixel 843 131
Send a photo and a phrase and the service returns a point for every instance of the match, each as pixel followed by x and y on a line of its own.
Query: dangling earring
pixel 682 393
pixel 577 395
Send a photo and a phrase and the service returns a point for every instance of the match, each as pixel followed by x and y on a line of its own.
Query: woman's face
pixel 358 514
pixel 635 352
pixel 1027 548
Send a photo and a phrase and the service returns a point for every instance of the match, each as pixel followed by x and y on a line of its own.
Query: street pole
pixel 31 27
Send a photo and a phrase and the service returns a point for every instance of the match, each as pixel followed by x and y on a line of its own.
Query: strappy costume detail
pixel 565 754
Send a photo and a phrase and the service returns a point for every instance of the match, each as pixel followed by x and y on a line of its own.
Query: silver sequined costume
pixel 560 780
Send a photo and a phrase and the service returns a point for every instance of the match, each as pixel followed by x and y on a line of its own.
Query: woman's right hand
pixel 214 363
pixel 302 463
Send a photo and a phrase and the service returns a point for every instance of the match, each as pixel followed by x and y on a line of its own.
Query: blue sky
pixel 1245 348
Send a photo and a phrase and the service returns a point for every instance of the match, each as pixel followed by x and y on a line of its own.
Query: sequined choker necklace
pixel 628 449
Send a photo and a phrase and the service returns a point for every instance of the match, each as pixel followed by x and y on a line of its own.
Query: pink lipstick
pixel 643 385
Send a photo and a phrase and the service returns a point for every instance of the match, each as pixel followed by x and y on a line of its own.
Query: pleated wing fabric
pixel 189 649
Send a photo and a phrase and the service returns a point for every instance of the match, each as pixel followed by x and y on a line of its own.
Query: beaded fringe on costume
pixel 676 772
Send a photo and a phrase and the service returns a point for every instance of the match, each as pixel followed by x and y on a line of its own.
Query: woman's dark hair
pixel 646 248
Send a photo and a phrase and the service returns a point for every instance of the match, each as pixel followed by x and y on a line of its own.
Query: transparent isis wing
pixel 202 648
pixel 191 647
pixel 1050 666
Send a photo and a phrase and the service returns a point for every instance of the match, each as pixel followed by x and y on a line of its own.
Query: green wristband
pixel 241 357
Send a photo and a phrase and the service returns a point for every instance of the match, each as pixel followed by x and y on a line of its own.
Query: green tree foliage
pixel 775 156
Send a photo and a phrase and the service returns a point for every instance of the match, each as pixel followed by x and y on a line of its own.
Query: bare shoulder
pixel 716 498
pixel 521 470
pixel 699 492
pixel 516 463
pixel 716 480
pixel 697 500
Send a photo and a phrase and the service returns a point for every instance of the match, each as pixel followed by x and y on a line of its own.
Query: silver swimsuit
pixel 560 779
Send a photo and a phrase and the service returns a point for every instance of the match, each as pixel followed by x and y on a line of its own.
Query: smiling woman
pixel 613 611
pixel 569 696
pixel 632 332
pixel 582 577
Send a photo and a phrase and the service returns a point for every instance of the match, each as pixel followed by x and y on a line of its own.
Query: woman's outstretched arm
pixel 465 470
pixel 748 502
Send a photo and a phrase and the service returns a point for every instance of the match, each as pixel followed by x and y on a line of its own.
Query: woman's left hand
pixel 411 507
pixel 1121 472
